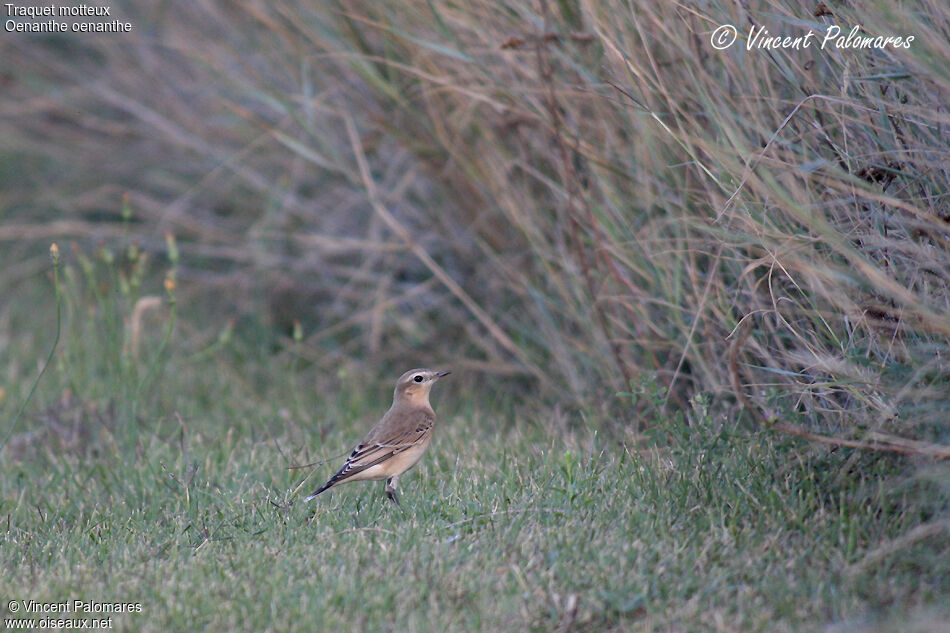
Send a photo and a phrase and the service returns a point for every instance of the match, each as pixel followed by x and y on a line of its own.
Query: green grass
pixel 495 532
pixel 517 519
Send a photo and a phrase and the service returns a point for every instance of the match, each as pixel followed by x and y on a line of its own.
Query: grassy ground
pixel 520 518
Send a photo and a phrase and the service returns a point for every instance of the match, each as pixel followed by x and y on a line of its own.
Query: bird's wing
pixel 396 432
pixel 387 439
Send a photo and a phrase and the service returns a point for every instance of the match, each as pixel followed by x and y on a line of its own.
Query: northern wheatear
pixel 398 440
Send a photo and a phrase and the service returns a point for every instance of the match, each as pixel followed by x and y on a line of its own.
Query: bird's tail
pixel 322 488
pixel 334 480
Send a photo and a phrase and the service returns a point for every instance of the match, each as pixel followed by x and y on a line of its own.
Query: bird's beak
pixel 442 373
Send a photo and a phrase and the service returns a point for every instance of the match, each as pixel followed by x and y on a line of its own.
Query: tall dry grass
pixel 579 194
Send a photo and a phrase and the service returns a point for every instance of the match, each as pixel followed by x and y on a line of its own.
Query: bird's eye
pixel 418 378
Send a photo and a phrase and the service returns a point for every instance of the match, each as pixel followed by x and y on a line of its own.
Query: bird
pixel 398 440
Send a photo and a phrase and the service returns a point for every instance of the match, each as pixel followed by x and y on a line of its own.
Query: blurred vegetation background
pixel 576 199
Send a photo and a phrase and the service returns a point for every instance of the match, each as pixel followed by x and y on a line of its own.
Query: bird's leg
pixel 391 489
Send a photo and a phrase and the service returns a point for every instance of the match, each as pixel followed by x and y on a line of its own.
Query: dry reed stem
pixel 876 442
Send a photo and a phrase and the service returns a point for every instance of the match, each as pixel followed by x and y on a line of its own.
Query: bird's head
pixel 413 386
